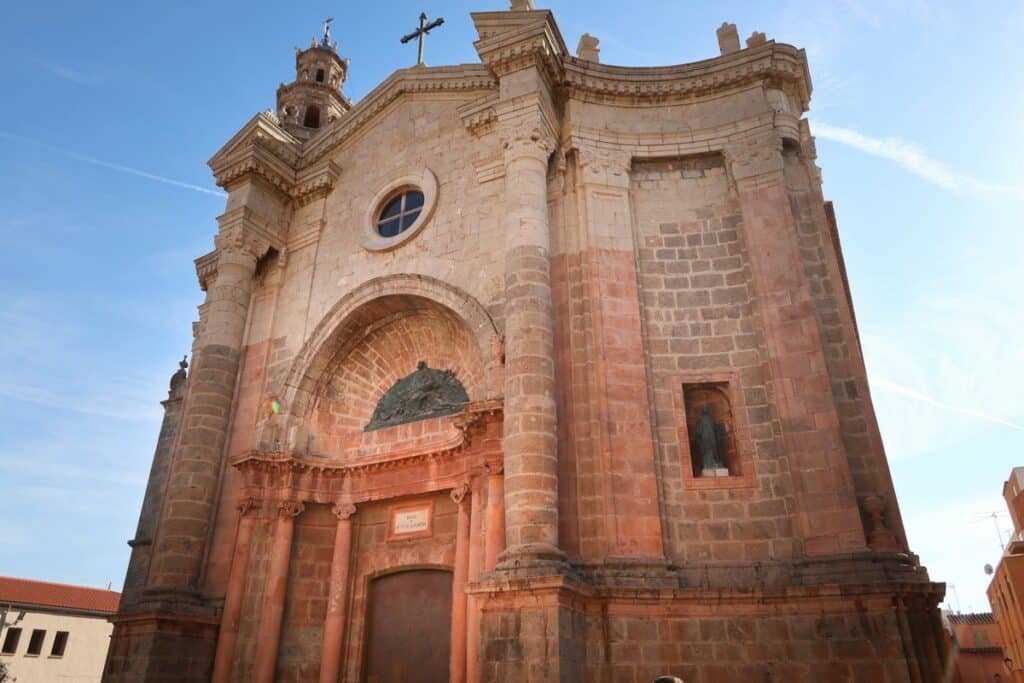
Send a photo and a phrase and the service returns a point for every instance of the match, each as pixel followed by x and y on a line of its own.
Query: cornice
pixel 206 269
pixel 466 424
pixel 512 40
pixel 414 80
pixel 771 61
pixel 262 148
pixel 314 181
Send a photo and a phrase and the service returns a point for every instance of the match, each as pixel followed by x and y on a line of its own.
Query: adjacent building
pixel 529 369
pixel 977 643
pixel 54 632
pixel 1006 591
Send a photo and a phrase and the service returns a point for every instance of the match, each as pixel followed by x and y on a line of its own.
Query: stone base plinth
pixel 558 628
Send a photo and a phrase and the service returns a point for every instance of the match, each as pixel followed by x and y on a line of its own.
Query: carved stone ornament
pixel 423 394
pixel 247 506
pixel 518 141
pixel 344 511
pixel 459 493
pixel 290 508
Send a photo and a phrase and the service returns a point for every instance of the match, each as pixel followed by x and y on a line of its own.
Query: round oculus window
pixel 399 213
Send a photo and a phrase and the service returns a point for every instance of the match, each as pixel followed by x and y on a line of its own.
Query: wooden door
pixel 408 627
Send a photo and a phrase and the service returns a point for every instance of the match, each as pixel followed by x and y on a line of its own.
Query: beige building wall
pixel 84 654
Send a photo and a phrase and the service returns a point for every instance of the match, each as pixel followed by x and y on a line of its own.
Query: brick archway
pixel 359 314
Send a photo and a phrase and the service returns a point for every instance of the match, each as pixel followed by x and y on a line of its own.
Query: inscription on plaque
pixel 411 521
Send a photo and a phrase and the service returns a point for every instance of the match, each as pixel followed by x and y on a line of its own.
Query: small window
pixel 35 643
pixel 319 75
pixel 312 119
pixel 11 641
pixel 400 213
pixel 60 643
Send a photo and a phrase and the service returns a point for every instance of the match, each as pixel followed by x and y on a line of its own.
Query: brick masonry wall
pixel 255 590
pixel 298 658
pixel 361 377
pixel 700 314
pixel 755 649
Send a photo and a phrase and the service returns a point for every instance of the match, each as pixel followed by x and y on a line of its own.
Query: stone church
pixel 530 369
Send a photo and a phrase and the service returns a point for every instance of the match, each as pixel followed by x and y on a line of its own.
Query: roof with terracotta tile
pixel 972 618
pixel 28 593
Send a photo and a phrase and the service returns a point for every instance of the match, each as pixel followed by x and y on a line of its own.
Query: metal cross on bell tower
pixel 421 33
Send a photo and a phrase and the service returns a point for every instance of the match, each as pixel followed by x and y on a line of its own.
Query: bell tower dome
pixel 314 99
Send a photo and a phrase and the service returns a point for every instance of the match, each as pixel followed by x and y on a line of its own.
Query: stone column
pixel 530 421
pixel 337 597
pixel 277 587
pixel 495 540
pixel 475 566
pixel 827 513
pixel 457 666
pixel 224 658
pixel 195 467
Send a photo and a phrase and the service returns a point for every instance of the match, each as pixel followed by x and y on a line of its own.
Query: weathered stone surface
pixel 600 241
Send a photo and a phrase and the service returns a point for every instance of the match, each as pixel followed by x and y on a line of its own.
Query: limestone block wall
pixel 701 314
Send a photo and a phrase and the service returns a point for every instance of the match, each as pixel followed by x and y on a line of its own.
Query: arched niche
pixel 371 338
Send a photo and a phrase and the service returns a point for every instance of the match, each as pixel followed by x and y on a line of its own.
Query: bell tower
pixel 314 100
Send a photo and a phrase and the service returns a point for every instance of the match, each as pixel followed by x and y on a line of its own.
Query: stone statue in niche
pixel 425 393
pixel 709 438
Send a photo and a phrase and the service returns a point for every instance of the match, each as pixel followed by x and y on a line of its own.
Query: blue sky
pixel 917 112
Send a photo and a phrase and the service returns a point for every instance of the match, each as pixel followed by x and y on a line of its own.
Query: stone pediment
pixel 463 78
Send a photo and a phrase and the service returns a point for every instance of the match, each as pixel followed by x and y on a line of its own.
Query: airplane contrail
pixel 114 167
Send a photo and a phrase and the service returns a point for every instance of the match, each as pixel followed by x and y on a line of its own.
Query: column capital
pixel 290 508
pixel 525 140
pixel 344 511
pixel 604 166
pixel 459 493
pixel 248 506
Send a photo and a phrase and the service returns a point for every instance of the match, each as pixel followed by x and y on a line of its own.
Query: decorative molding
pixel 510 41
pixel 459 493
pixel 206 269
pixel 248 505
pixel 290 508
pixel 281 463
pixel 479 115
pixel 315 182
pixel 243 229
pixel 772 61
pixel 343 511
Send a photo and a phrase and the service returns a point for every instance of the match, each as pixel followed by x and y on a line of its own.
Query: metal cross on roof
pixel 421 33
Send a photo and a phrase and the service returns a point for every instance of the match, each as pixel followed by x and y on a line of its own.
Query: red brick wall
pixel 359 378
pixel 309 573
pixel 701 315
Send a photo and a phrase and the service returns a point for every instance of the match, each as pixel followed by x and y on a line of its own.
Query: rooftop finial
pixel 326 42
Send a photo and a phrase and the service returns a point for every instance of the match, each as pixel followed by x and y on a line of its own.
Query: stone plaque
pixel 410 521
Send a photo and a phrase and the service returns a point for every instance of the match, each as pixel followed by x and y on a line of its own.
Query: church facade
pixel 532 369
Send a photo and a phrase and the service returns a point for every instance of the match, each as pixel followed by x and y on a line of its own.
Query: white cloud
pixel 114 167
pixel 914 159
